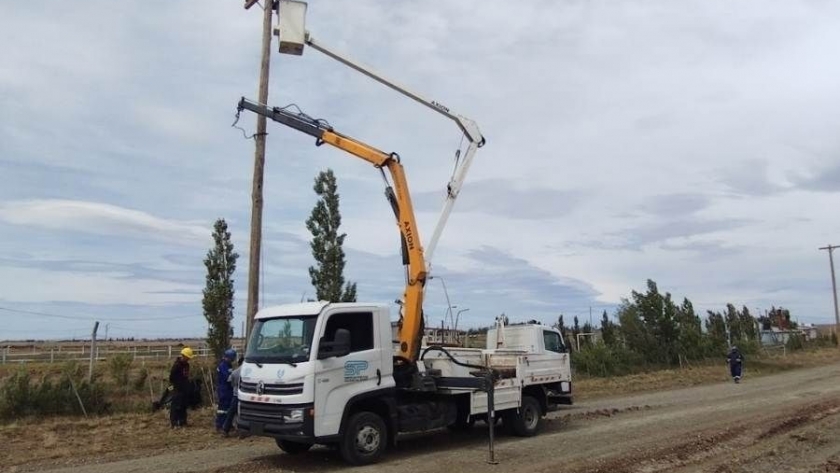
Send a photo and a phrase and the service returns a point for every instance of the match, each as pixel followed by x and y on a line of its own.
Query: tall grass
pixel 118 385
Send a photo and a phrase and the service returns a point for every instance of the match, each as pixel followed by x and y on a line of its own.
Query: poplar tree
pixel 218 292
pixel 327 275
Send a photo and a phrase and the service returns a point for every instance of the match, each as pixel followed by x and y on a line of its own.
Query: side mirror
pixel 340 346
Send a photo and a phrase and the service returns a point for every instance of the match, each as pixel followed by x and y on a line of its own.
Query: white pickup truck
pixel 324 373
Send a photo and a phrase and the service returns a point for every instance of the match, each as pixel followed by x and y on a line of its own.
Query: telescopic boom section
pixel 467 126
pixel 411 325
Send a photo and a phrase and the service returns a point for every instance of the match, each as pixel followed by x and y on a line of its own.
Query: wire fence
pixel 81 353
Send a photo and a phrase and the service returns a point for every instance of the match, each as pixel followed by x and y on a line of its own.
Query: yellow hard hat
pixel 187 352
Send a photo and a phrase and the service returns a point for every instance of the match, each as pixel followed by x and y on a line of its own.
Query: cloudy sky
pixel 694 143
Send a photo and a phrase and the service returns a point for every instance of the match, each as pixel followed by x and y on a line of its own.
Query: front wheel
pixel 293 448
pixel 525 423
pixel 365 439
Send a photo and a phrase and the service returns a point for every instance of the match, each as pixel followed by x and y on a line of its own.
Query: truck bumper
pixel 280 421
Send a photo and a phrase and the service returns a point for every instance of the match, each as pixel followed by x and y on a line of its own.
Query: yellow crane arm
pixel 398 195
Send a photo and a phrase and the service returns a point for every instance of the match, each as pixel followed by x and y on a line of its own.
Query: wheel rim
pixel 529 416
pixel 367 439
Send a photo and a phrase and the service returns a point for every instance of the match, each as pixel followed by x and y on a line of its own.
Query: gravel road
pixel 784 422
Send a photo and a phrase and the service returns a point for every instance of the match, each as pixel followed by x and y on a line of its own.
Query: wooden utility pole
pixel 830 249
pixel 259 165
pixel 92 351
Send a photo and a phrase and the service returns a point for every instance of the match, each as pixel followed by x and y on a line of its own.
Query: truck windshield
pixel 281 340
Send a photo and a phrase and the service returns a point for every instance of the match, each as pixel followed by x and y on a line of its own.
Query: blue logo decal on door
pixel 354 370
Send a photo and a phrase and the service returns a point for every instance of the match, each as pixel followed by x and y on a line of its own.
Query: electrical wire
pixel 319 122
pixel 44 314
pixel 72 317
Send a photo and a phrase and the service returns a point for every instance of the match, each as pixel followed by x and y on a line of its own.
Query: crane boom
pixel 398 195
pixel 467 126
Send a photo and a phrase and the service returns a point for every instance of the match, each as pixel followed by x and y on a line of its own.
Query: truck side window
pixel 360 325
pixel 552 342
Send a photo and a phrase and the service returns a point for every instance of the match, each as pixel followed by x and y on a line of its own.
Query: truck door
pixel 338 379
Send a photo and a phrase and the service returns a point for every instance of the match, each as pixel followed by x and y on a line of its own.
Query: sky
pixel 693 143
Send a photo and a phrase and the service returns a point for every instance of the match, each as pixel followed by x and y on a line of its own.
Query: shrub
pixel 795 342
pixel 140 381
pixel 16 395
pixel 749 347
pixel 601 360
pixel 20 397
pixel 120 366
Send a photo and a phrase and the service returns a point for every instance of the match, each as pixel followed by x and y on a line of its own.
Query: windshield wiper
pixel 260 360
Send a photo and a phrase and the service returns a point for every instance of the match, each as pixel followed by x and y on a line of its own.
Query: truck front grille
pixel 261 412
pixel 276 389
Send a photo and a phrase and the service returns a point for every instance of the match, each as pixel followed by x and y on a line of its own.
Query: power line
pixel 44 314
pixel 73 317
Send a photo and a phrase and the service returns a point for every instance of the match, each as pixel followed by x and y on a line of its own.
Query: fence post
pixel 4 350
pixel 170 351
pixel 52 356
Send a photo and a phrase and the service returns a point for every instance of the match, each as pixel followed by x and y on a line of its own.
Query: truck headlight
pixel 293 415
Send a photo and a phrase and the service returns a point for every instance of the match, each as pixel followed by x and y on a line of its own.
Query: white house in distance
pixel 777 336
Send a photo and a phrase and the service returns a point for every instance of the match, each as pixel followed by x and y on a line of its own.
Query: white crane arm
pixel 467 126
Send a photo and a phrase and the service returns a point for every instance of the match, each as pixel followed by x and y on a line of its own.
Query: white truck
pixel 324 373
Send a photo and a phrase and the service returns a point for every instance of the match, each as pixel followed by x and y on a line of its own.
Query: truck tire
pixel 526 422
pixel 365 439
pixel 293 448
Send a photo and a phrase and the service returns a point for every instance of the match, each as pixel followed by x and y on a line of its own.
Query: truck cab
pixel 311 358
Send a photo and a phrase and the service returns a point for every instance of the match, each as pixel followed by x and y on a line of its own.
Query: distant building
pixel 810 331
pixel 777 336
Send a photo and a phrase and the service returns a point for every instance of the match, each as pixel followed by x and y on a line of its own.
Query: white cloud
pixel 102 219
pixel 38 286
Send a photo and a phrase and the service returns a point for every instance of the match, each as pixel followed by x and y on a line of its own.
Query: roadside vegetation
pixel 119 385
pixel 652 332
pixel 652 342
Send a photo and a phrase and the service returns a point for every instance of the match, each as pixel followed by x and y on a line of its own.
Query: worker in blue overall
pixel 735 360
pixel 234 404
pixel 224 389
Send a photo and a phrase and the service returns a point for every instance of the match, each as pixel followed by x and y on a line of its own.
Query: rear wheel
pixel 526 422
pixel 365 439
pixel 293 448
